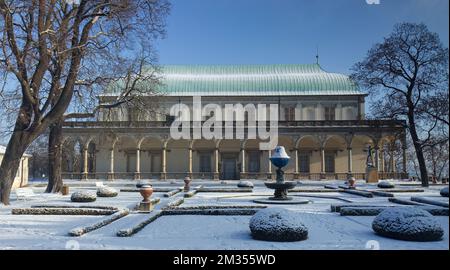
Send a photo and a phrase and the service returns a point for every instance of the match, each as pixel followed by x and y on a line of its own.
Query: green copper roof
pixel 251 80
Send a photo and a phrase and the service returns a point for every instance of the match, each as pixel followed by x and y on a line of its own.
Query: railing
pixel 249 175
pixel 393 175
pixel 324 123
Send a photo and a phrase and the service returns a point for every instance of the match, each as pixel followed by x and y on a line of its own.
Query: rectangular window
pixel 330 113
pixel 303 159
pixel 329 162
pixel 205 162
pixel 253 161
pixel 289 114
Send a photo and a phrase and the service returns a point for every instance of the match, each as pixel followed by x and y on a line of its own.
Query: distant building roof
pixel 250 80
pixel 3 150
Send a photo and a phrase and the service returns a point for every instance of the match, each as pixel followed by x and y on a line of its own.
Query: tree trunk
pixel 418 148
pixel 55 139
pixel 11 160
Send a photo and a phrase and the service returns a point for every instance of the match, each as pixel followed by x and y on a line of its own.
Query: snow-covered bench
pixel 25 193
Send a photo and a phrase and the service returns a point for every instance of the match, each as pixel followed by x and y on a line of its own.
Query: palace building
pixel 21 178
pixel 322 126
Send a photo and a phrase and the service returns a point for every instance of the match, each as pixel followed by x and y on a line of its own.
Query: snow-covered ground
pixel 327 230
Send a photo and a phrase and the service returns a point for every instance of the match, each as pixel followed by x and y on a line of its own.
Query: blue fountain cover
pixel 279 157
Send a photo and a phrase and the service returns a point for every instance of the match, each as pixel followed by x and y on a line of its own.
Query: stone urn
pixel 146 191
pixel 187 182
pixel 351 182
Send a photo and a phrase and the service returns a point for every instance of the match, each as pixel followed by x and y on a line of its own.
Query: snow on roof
pixel 3 150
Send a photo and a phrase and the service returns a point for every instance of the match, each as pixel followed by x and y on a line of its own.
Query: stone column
pixel 243 169
pixel 190 162
pixel 269 171
pixel 216 164
pixel 349 162
pixel 383 165
pixel 137 173
pixel 322 161
pixel 85 164
pixel 392 160
pixel 319 112
pixel 164 164
pixel 111 164
pixel 296 173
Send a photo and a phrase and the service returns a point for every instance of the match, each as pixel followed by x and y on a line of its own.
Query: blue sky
pixel 289 31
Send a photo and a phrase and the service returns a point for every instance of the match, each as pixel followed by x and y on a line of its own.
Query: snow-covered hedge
pixel 83 196
pixel 243 184
pixel 106 192
pixel 407 223
pixel 385 184
pixel 85 229
pixel 278 224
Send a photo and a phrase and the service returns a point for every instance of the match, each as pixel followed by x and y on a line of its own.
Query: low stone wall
pixel 85 229
pixel 62 211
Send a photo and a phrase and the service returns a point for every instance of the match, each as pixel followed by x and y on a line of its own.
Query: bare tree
pixel 139 82
pixel 53 47
pixel 39 157
pixel 404 74
pixel 437 157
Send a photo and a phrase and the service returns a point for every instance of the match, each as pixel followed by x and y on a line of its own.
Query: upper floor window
pixel 289 114
pixel 330 113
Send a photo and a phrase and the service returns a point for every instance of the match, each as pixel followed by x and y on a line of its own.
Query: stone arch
pixel 308 141
pixel 149 139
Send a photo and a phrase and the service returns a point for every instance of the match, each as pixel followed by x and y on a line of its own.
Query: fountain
pixel 280 159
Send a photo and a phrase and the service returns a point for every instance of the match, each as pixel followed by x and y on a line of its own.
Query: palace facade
pixel 322 125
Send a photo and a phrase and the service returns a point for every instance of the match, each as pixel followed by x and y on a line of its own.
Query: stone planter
pixel 351 182
pixel 187 181
pixel 146 191
pixel 65 190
